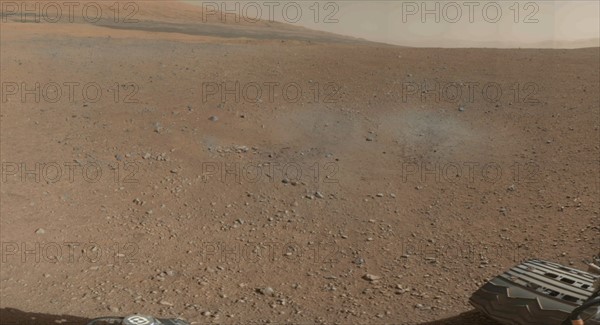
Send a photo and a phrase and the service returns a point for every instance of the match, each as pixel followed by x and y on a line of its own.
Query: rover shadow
pixel 11 316
pixel 467 318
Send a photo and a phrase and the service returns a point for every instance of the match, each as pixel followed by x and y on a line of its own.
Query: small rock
pixel 213 118
pixel 165 303
pixel 371 277
pixel 319 195
pixel 40 231
pixel 240 149
pixel 461 109
pixel 267 291
pixel 359 261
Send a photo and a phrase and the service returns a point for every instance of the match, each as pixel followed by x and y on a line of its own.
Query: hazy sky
pixel 460 23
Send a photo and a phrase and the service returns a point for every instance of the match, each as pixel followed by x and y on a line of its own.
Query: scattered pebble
pixel 165 303
pixel 371 277
pixel 267 291
pixel 359 261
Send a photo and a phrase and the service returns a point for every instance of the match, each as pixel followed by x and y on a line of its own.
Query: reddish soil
pixel 199 206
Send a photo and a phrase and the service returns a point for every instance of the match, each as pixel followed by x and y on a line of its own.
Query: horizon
pixel 446 24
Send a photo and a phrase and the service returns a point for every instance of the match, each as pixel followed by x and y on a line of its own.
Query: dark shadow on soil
pixel 11 316
pixel 467 318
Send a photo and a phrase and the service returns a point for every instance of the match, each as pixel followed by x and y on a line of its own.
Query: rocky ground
pixel 139 183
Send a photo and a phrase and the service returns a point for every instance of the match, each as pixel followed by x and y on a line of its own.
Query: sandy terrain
pixel 366 200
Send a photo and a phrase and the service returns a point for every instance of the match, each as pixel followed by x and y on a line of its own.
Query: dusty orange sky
pixel 502 24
